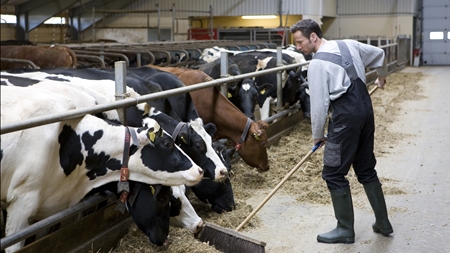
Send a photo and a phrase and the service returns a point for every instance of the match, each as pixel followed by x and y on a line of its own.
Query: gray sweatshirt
pixel 328 81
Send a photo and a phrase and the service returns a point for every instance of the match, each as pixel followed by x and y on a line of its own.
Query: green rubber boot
pixel 376 199
pixel 343 211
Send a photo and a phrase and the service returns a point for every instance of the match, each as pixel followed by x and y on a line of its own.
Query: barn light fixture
pixel 259 17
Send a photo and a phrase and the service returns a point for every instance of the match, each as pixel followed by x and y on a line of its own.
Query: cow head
pixel 291 86
pixel 182 212
pixel 254 148
pixel 195 139
pixel 244 96
pixel 218 194
pixel 151 211
pixel 166 161
pixel 305 100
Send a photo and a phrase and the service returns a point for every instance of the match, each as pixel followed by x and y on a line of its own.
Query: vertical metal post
pixel 211 30
pixel 173 22
pixel 279 81
pixel 120 69
pixel 93 24
pixel 159 22
pixel 138 59
pixel 224 72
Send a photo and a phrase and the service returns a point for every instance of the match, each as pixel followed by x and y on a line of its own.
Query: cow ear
pixel 155 132
pixel 184 135
pixel 175 206
pixel 156 189
pixel 210 128
pixel 230 152
pixel 147 108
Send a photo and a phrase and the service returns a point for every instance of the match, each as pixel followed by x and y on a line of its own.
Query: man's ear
pixel 313 37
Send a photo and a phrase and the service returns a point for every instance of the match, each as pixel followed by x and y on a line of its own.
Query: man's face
pixel 303 43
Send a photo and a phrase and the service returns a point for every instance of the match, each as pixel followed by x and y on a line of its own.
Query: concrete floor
pixel 421 166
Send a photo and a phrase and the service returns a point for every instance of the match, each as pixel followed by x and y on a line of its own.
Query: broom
pixel 231 241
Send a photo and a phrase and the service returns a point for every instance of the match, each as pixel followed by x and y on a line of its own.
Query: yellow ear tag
pixel 256 136
pixel 263 91
pixel 229 95
pixel 182 138
pixel 152 189
pixel 152 136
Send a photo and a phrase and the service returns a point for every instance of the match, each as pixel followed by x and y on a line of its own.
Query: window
pixel 436 35
pixel 448 35
pixel 56 21
pixel 11 19
pixel 8 19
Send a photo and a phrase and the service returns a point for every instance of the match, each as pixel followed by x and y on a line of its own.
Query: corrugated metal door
pixel 436 32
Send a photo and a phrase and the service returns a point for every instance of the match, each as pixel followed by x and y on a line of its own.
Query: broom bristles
pixel 230 241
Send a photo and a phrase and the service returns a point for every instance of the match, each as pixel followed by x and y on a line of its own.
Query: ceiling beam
pixel 81 16
pixel 33 13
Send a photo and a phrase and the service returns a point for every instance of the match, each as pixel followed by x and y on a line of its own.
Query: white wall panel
pixel 376 7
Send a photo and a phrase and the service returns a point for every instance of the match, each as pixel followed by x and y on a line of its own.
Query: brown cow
pixel 43 56
pixel 213 106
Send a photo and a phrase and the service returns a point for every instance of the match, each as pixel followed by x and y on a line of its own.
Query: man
pixel 336 76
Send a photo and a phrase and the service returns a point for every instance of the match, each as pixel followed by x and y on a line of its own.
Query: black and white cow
pixel 69 158
pixel 101 82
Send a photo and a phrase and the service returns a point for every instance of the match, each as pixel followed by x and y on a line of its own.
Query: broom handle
pixel 373 90
pixel 279 185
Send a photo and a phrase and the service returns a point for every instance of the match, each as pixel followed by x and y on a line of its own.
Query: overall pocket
pixel 332 154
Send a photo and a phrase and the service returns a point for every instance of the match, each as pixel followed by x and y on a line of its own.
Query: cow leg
pixel 264 111
pixel 17 217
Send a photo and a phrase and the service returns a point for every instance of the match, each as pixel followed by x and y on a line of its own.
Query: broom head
pixel 229 241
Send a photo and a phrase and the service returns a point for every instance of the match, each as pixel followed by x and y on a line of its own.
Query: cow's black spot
pixel 1 154
pixel 89 140
pixel 54 78
pixel 97 164
pixel 19 81
pixel 70 150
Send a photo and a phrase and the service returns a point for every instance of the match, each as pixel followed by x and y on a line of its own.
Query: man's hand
pixel 323 140
pixel 380 82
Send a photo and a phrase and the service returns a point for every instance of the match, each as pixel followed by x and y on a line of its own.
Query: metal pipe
pixel 34 66
pixel 76 113
pixel 93 57
pixel 120 71
pixel 279 81
pixel 54 219
pixel 224 71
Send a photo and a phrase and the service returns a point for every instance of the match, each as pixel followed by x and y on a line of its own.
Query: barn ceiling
pixel 32 13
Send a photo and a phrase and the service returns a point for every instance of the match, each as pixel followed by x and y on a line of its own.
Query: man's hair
pixel 307 26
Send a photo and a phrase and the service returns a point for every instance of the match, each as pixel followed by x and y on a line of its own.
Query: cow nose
pixel 224 172
pixel 200 171
pixel 199 227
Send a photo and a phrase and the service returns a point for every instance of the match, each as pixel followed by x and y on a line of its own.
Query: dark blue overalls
pixel 351 129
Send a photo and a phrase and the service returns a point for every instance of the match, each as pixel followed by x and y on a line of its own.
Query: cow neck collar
pixel 123 186
pixel 244 135
pixel 177 130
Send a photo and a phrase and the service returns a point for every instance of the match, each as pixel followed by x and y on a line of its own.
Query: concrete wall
pixel 374 26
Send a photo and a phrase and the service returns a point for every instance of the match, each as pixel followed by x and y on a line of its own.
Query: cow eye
pixel 168 144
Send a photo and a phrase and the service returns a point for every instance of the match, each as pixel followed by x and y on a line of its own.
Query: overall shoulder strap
pixel 344 60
